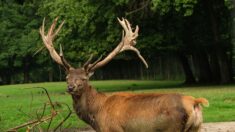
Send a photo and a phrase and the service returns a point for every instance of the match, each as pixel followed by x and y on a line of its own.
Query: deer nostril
pixel 70 88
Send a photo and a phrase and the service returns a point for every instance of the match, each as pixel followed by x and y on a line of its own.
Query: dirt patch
pixel 206 127
pixel 87 129
pixel 218 127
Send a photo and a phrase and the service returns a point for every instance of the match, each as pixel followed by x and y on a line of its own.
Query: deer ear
pixel 90 74
pixel 68 70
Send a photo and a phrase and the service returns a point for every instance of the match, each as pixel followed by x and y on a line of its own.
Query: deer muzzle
pixel 70 88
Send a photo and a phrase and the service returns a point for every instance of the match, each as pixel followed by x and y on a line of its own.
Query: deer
pixel 123 111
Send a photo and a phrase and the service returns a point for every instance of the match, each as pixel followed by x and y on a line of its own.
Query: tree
pixel 197 32
pixel 206 39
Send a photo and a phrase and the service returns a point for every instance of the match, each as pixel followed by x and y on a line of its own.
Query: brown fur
pixel 129 112
pixel 194 110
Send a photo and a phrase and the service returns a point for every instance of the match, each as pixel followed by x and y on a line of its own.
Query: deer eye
pixel 84 78
pixel 67 77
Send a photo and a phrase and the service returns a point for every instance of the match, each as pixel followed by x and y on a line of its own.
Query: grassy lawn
pixel 20 103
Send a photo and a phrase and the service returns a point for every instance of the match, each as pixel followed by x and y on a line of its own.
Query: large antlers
pixel 130 38
pixel 48 42
pixel 127 43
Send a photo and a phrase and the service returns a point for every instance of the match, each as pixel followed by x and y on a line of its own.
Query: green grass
pixel 19 103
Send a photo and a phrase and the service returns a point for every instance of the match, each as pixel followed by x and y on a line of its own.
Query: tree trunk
pixel 222 58
pixel 189 77
pixel 215 68
pixel 50 75
pixel 26 67
pixel 203 67
pixel 10 70
pixel 224 68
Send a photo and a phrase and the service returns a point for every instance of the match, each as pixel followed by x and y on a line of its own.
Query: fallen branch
pixel 42 118
pixel 69 114
pixel 30 123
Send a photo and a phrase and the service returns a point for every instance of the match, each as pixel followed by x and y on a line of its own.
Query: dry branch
pixel 42 118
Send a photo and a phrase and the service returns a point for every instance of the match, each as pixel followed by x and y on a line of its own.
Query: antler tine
pixel 128 25
pixel 127 43
pixel 88 61
pixel 136 29
pixel 136 32
pixel 123 34
pixel 122 22
pixel 50 32
pixel 42 28
pixel 65 63
pixel 128 30
pixel 61 51
pixel 48 42
pixel 90 66
pixel 58 29
pixel 140 56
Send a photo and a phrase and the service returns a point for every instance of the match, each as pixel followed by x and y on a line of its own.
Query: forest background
pixel 190 40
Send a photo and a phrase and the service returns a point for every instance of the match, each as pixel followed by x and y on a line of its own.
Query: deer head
pixel 77 78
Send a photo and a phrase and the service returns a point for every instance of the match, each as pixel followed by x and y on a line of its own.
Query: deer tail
pixel 202 101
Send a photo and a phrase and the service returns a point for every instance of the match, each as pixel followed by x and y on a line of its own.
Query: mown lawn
pixel 21 103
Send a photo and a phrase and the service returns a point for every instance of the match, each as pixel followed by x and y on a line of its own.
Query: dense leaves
pixel 196 32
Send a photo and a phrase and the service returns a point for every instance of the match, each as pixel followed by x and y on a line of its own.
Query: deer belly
pixel 154 124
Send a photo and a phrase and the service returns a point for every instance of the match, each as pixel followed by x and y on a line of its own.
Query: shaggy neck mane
pixel 88 104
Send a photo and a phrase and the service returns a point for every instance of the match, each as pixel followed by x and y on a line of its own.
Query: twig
pixel 41 118
pixel 31 102
pixel 30 123
pixel 48 96
pixel 28 115
pixel 69 114
pixel 40 129
pixel 49 125
pixel 39 50
pixel 43 112
pixel 51 104
pixel 136 10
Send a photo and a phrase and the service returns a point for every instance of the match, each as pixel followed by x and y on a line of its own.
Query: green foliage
pixel 84 31
pixel 91 27
pixel 18 29
pixel 165 6
pixel 229 4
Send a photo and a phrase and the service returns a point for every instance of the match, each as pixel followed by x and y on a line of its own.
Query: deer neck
pixel 88 104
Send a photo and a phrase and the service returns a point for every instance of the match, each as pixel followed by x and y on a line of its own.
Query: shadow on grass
pixel 140 86
pixel 151 85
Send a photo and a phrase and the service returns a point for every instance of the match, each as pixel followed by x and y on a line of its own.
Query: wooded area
pixel 181 39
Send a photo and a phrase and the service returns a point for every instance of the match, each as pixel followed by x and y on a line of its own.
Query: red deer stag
pixel 124 112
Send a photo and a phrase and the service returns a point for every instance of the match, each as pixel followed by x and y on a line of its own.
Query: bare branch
pixel 30 123
pixel 42 119
pixel 141 8
pixel 38 50
pixel 48 96
pixel 68 115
